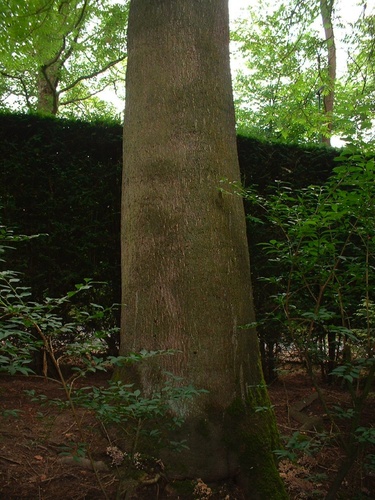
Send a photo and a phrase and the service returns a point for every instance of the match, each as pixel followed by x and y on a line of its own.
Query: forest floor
pixel 38 444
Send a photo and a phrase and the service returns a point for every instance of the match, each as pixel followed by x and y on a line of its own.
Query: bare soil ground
pixel 37 445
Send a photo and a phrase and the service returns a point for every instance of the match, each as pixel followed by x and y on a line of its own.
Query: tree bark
pixel 48 99
pixel 326 8
pixel 185 265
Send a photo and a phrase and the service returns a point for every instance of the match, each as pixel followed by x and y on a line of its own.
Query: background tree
pixel 287 88
pixel 277 90
pixel 185 268
pixel 59 53
pixel 326 11
pixel 355 91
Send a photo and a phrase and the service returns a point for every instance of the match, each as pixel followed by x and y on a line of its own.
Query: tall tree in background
pixel 326 10
pixel 185 267
pixel 51 49
pixel 356 92
pixel 277 89
pixel 290 88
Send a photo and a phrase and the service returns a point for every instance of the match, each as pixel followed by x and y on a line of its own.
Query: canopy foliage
pixel 58 54
pixel 286 75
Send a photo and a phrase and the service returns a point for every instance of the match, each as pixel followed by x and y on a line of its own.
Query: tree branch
pixel 79 99
pixel 23 85
pixel 93 74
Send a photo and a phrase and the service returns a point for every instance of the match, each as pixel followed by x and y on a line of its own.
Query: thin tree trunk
pixel 326 8
pixel 185 264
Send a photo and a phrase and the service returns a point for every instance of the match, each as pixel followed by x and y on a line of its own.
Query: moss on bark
pixel 250 429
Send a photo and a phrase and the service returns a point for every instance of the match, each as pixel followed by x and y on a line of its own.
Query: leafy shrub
pixel 321 283
pixel 28 327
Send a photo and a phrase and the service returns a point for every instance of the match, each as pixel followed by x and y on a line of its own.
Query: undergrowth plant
pixel 28 327
pixel 320 271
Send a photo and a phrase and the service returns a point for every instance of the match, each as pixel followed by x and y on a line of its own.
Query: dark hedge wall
pixel 262 163
pixel 63 178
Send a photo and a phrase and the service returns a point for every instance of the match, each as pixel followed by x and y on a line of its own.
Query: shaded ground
pixel 38 443
pixel 310 476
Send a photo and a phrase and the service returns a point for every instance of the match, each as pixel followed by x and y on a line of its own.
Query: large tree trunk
pixel 185 264
pixel 48 101
pixel 326 9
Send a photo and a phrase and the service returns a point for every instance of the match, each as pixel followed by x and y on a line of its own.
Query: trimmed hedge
pixel 62 178
pixel 262 163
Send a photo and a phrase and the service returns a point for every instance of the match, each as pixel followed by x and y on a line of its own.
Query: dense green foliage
pixel 283 82
pixel 319 289
pixel 321 252
pixel 71 50
pixel 58 55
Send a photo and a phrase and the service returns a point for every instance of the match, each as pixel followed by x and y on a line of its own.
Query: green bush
pixel 321 261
